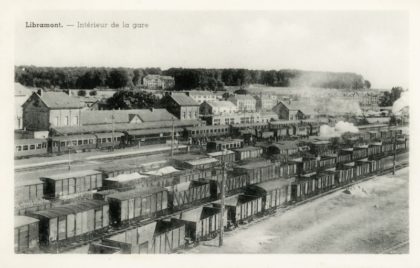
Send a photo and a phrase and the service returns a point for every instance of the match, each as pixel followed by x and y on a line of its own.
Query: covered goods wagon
pixel 188 193
pixel 26 234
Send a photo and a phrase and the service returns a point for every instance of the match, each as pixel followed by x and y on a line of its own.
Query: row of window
pixel 37 146
pixel 207 131
pixel 84 142
pixel 66 121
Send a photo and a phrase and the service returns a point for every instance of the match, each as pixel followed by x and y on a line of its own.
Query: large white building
pixel 245 103
pixel 217 107
pixel 201 96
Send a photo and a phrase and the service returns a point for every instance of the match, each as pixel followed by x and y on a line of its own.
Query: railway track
pixel 112 232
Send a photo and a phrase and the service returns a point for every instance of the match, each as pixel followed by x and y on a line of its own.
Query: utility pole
pixel 172 140
pixel 113 142
pixel 222 201
pixel 395 153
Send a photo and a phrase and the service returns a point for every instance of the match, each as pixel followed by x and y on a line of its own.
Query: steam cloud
pixel 339 129
pixel 401 103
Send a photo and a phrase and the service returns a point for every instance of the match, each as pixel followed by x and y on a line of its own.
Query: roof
pixel 124 116
pixel 127 177
pixel 221 104
pixel 253 165
pixel 249 148
pixel 183 100
pixel 123 127
pixel 285 145
pixel 202 161
pixel 242 97
pixel 21 90
pixel 28 141
pixel 72 208
pixel 59 100
pixel 24 220
pixel 272 185
pixel 299 105
pixel 227 141
pixel 162 171
pixel 219 153
pixel 136 193
pixel 72 174
pixel 200 92
pixel 32 181
pixel 157 76
pixel 284 122
pixel 73 137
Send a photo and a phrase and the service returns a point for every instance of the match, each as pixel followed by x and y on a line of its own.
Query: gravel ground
pixel 372 219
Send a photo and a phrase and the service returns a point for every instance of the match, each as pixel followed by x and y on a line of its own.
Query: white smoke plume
pixel 339 129
pixel 401 103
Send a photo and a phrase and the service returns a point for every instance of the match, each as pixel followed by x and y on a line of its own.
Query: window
pixel 25 147
pixel 103 140
pixel 18 148
pixel 75 120
pixel 55 122
pixel 85 141
pixel 66 120
pixel 63 144
pixel 227 121
pixel 90 141
pixel 74 142
pixel 109 139
pixel 44 145
pixel 38 146
pixel 80 142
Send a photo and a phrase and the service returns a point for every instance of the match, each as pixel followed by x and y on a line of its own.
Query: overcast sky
pixel 371 43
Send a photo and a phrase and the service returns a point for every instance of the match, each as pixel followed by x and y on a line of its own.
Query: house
pixel 217 107
pixel 154 81
pixel 245 103
pixel 239 118
pixel 182 106
pixel 22 94
pixel 135 116
pixel 265 102
pixel 290 110
pixel 44 110
pixel 201 96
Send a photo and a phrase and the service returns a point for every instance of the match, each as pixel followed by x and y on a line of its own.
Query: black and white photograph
pixel 212 132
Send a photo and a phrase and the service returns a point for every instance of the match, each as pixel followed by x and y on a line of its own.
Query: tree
pixel 388 98
pixel 81 93
pixel 118 78
pixel 367 84
pixel 128 99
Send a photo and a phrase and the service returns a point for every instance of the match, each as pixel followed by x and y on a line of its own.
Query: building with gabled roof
pixel 154 81
pixel 201 96
pixel 22 94
pixel 245 103
pixel 217 107
pixel 181 105
pixel 44 110
pixel 289 111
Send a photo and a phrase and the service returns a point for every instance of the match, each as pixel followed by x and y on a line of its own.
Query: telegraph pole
pixel 395 153
pixel 222 201
pixel 113 142
pixel 172 140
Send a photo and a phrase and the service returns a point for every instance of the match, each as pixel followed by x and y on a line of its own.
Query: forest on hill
pixel 185 78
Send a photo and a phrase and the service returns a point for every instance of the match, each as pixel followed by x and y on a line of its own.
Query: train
pixel 88 204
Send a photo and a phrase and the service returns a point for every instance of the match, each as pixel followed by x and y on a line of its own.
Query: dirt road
pixel 372 219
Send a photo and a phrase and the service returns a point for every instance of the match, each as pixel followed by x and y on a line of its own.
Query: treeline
pixel 209 79
pixel 217 78
pixel 81 77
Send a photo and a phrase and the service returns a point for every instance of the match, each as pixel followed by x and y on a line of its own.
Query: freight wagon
pixel 233 184
pixel 257 171
pixel 325 181
pixel 139 204
pixel 223 156
pixel 344 175
pixel 214 146
pixel 65 223
pixel 285 148
pixel 154 238
pixel 306 164
pixel 127 181
pixel 325 162
pixel 241 208
pixel 28 190
pixel 26 234
pixel 187 194
pixel 26 207
pixel 274 193
pixel 344 156
pixel 304 186
pixel 374 149
pixel 201 223
pixel 206 131
pixel 359 152
pixel 71 183
pixel 248 153
pixel 320 148
pixel 362 169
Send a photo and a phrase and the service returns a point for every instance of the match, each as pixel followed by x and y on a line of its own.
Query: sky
pixel 374 44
